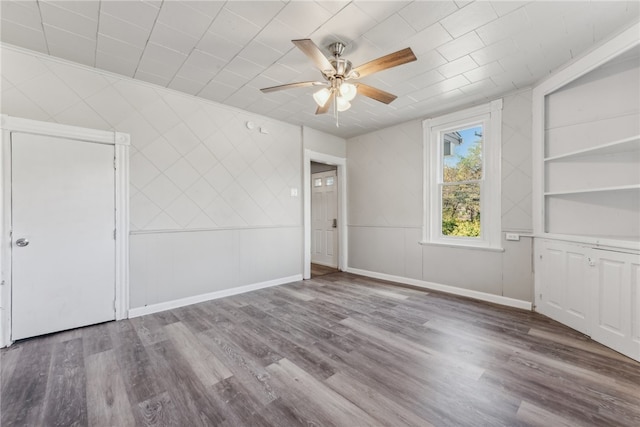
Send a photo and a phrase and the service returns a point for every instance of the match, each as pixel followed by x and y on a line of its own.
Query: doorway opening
pixel 324 219
pixel 324 214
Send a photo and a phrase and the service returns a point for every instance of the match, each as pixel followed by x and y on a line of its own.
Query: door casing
pixel 121 142
pixel 341 163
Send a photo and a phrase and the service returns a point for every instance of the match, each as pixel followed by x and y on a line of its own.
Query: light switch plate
pixel 294 192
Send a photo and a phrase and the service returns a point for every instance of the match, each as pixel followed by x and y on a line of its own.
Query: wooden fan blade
pixel 388 61
pixel 309 48
pixel 377 94
pixel 325 107
pixel 292 85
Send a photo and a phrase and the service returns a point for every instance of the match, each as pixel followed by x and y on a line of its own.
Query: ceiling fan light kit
pixel 337 71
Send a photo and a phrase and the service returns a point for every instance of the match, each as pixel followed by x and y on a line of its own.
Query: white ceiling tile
pixel 121 49
pixel 422 14
pixel 244 67
pixel 67 20
pixel 461 46
pixel 176 40
pixel 88 9
pixel 127 32
pixel 115 64
pixel 228 24
pixel 231 79
pixel 138 13
pixel 469 18
pixel 494 52
pixel 504 27
pixel 278 35
pixel 216 91
pixel 380 10
pixel 257 12
pixel 390 32
pixel 152 78
pixel 195 74
pixel 25 13
pixel 210 8
pixel 205 61
pixel 80 52
pixel 260 54
pixel 503 7
pixel 333 6
pixel 427 79
pixel 183 18
pixel 219 46
pixel 347 25
pixel 459 66
pixel 26 37
pixel 156 72
pixel 428 39
pixel 163 54
pixel 303 17
pixel 484 72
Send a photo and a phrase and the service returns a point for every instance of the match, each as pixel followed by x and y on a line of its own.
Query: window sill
pixel 452 245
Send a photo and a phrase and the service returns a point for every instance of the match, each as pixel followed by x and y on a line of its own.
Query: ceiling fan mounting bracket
pixel 337 49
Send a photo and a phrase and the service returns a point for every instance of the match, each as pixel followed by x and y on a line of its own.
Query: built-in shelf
pixel 593 190
pixel 631 144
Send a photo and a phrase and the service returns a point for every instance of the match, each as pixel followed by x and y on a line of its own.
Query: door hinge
pixel 114 234
pixel 114 163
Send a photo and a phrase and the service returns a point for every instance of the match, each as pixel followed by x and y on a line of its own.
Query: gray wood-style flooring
pixel 339 350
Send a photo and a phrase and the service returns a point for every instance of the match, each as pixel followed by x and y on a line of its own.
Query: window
pixel 462 177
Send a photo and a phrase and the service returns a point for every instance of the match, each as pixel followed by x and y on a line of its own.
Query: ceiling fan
pixel 337 72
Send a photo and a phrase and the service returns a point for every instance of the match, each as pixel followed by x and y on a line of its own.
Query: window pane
pixel 461 210
pixel 329 181
pixel 462 155
pixel 317 182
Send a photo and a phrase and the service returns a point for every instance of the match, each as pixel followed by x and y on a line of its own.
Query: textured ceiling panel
pixel 468 52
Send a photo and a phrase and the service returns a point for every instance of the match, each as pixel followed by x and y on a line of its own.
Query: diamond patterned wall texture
pixel 194 163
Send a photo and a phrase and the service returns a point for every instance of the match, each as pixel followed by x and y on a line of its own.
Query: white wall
pixel 321 142
pixel 207 194
pixel 385 210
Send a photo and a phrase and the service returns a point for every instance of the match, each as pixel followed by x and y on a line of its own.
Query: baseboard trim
pixel 482 296
pixel 163 306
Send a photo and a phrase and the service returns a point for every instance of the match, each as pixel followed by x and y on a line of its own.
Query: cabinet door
pixel 616 301
pixel 561 276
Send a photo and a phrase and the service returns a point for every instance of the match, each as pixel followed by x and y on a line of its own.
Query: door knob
pixel 22 242
pixel 335 223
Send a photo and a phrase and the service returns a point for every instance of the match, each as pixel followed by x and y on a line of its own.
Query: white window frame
pixel 490 117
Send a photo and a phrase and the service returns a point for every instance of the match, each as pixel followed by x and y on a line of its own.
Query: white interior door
pixel 324 217
pixel 63 216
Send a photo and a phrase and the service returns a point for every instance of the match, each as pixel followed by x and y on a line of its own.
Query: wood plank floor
pixel 339 350
pixel 318 270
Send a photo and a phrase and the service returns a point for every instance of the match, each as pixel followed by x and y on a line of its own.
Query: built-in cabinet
pixel 593 290
pixel 586 131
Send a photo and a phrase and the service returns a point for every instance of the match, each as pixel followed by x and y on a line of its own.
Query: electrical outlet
pixel 512 236
pixel 294 192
